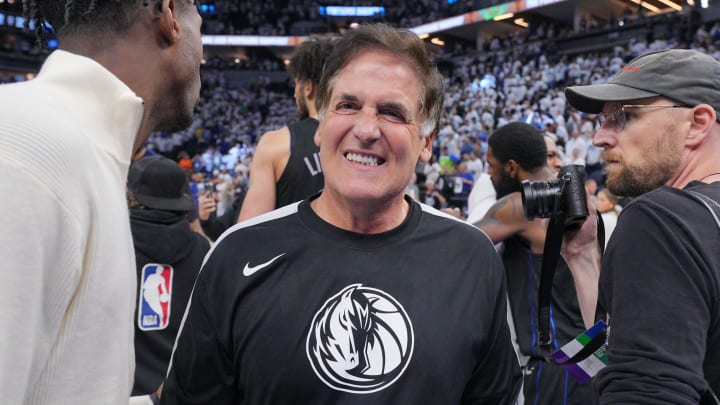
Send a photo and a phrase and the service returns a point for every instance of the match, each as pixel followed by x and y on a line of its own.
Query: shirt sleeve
pixel 201 366
pixel 496 378
pixel 654 286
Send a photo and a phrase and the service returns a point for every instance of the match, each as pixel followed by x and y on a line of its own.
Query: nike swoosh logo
pixel 250 270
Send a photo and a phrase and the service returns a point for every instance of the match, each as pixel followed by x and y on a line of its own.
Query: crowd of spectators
pixel 519 78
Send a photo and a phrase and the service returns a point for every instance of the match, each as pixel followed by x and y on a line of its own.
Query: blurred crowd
pixel 515 78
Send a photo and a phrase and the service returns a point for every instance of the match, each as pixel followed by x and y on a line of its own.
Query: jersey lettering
pixel 314 165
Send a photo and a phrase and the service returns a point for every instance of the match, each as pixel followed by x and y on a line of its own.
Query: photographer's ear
pixel 702 120
pixel 512 168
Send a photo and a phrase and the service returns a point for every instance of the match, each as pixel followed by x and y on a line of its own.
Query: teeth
pixel 362 159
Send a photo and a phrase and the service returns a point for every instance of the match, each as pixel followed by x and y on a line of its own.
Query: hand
pixel 581 251
pixel 583 240
pixel 206 206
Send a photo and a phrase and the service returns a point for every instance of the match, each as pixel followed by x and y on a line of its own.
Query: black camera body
pixel 563 196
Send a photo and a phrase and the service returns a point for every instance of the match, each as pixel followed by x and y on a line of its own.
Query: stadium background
pixel 502 61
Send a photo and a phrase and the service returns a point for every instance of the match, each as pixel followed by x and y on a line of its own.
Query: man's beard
pixel 630 180
pixel 176 123
pixel 506 185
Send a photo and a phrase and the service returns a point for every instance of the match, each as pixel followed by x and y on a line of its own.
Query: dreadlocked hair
pixel 31 11
pixel 80 17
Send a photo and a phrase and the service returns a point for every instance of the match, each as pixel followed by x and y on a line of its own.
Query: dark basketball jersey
pixel 303 175
pixel 545 383
pixel 290 309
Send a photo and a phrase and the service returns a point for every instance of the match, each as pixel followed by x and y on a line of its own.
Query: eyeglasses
pixel 617 116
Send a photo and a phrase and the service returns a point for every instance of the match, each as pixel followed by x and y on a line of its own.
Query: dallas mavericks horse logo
pixel 360 341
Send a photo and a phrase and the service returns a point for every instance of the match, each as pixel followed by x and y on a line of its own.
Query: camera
pixel 563 196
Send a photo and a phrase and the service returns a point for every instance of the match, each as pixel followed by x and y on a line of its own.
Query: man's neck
pixel 541 174
pixel 367 218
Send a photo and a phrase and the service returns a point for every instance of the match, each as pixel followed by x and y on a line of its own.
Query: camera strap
pixel 551 257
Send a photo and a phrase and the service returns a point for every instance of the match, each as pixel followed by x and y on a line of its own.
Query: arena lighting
pixel 503 16
pixel 647 6
pixel 670 4
pixel 704 3
pixel 521 22
pixel 351 11
pixel 437 41
pixel 250 40
pixel 423 36
pixel 485 14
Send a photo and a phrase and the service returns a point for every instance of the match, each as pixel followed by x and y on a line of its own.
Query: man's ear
pixel 167 21
pixel 426 147
pixel 316 138
pixel 309 89
pixel 512 168
pixel 702 120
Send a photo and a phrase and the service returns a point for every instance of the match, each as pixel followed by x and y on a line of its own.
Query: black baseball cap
pixel 686 76
pixel 159 183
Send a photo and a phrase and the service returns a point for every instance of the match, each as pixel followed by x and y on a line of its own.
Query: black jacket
pixel 163 241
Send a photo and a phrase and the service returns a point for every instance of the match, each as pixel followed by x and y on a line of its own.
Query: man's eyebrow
pixel 348 97
pixel 390 105
pixel 393 105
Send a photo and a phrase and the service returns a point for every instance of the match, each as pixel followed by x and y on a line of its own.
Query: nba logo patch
pixel 154 297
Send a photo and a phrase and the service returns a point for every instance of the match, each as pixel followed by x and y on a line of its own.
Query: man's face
pixel 645 154
pixel 553 156
pixel 603 202
pixel 176 109
pixel 504 184
pixel 369 137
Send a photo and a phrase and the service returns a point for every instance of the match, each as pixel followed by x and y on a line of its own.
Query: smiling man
pixel 660 278
pixel 335 299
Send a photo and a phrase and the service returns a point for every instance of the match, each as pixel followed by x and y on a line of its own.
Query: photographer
pixel 517 152
pixel 661 271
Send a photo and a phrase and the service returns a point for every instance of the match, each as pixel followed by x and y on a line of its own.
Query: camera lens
pixel 538 198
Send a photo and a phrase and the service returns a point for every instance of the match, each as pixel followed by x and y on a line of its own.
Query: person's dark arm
pixel 504 219
pixel 214 226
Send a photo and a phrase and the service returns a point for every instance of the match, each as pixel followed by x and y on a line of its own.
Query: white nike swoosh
pixel 250 270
